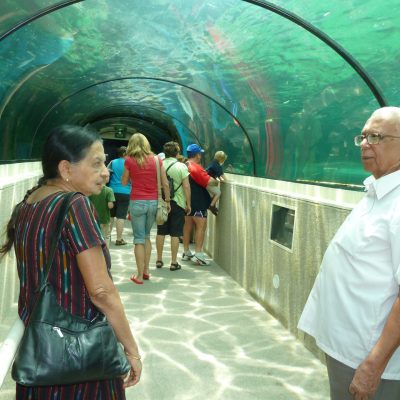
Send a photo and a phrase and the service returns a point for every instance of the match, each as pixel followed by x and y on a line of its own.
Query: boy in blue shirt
pixel 216 171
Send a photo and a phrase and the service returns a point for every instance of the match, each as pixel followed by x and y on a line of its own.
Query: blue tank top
pixel 117 166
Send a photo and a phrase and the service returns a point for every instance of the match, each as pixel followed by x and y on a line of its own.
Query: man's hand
pixel 368 375
pixel 365 382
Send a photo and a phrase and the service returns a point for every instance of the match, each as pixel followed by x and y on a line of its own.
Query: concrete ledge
pixel 321 195
pixel 9 348
pixel 240 240
pixel 13 173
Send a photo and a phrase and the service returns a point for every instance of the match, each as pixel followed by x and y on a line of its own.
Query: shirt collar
pixel 382 186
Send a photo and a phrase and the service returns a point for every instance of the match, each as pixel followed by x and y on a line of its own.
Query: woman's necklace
pixel 59 187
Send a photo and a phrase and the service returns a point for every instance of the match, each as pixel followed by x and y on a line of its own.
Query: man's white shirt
pixel 359 279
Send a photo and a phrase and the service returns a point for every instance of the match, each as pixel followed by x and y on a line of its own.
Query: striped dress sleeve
pixel 82 229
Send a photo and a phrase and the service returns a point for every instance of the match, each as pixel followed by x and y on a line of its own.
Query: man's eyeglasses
pixel 372 138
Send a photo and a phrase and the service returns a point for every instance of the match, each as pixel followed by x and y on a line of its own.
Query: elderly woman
pixel 73 161
pixel 141 171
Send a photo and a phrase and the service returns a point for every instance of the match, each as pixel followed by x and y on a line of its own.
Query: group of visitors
pixel 353 310
pixel 135 170
pixel 184 209
pixel 196 191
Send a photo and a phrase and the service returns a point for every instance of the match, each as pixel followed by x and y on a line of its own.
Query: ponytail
pixel 66 142
pixel 10 228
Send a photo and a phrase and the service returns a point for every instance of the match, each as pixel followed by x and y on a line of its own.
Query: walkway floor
pixel 203 337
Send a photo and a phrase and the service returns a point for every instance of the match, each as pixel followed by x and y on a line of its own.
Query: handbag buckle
pixel 58 330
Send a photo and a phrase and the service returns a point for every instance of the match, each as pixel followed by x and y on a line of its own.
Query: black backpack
pixel 172 189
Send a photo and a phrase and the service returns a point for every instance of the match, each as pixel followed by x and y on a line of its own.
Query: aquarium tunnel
pixel 282 87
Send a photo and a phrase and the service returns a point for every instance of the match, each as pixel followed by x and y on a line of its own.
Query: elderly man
pixel 353 310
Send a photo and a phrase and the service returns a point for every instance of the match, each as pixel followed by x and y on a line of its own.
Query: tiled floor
pixel 203 337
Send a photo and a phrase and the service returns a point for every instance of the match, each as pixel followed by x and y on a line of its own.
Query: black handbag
pixel 59 348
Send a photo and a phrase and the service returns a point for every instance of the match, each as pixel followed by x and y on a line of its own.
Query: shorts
pixel 121 205
pixel 174 224
pixel 143 213
pixel 198 213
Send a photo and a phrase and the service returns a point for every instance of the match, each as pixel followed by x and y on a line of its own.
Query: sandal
pixel 214 210
pixel 159 263
pixel 134 279
pixel 174 267
pixel 120 242
pixel 146 277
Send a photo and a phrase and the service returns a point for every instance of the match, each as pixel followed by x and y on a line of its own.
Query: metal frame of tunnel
pixel 260 3
pixel 38 15
pixel 152 79
pixel 103 114
pixel 268 6
pixel 327 40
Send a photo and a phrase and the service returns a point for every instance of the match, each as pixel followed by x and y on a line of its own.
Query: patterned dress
pixel 35 226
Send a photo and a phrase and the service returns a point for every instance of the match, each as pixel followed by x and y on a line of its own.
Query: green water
pixel 224 73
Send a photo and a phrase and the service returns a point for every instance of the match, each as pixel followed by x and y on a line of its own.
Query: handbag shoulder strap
pixel 170 166
pixel 57 234
pixel 166 171
pixel 53 246
pixel 158 176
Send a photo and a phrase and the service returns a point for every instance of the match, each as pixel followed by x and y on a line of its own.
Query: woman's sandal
pixel 134 279
pixel 174 267
pixel 146 277
pixel 159 263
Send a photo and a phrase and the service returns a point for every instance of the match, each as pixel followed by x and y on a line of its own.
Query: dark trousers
pixel 340 377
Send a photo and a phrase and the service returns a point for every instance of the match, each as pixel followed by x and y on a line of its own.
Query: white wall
pixel 239 240
pixel 15 180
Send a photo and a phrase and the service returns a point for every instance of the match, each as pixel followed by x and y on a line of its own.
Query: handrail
pixel 10 347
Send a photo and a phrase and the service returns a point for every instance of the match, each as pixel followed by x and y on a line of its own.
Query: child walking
pixel 103 202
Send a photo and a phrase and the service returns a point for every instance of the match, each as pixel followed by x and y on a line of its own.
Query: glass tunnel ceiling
pixel 228 74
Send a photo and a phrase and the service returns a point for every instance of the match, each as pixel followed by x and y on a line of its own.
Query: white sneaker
pixel 186 256
pixel 200 259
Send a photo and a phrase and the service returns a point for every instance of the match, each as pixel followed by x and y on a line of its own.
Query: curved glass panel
pixel 226 73
pixel 182 111
pixel 369 30
pixel 14 12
